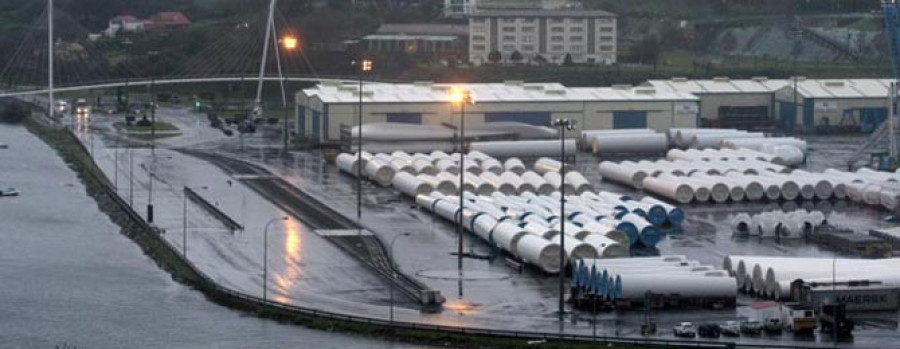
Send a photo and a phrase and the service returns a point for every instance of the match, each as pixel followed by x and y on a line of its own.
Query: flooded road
pixel 69 278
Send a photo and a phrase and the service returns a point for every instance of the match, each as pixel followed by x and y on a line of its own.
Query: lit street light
pixel 394 272
pixel 563 125
pixel 461 97
pixel 266 251
pixel 289 43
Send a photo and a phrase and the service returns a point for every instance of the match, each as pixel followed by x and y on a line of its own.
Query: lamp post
pixel 461 97
pixel 266 252
pixel 131 176
pixel 563 125
pixel 365 66
pixel 289 43
pixel 152 104
pixel 394 272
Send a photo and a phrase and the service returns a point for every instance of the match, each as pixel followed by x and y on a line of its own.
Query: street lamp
pixel 365 66
pixel 289 43
pixel 266 251
pixel 152 103
pixel 462 97
pixel 563 125
pixel 394 272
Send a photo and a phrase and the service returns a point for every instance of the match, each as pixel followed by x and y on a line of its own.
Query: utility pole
pixel 563 125
pixel 51 101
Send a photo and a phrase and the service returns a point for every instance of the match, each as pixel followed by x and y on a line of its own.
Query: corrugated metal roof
pixel 719 85
pixel 489 93
pixel 807 88
pixel 843 88
pixel 566 13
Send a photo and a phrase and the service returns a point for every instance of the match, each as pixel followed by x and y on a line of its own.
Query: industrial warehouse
pixel 601 185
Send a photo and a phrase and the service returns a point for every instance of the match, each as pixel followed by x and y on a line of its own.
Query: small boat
pixel 4 146
pixel 9 192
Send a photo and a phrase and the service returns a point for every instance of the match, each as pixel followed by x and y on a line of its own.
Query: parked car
pixel 709 330
pixel 731 328
pixel 751 327
pixel 684 329
pixel 773 326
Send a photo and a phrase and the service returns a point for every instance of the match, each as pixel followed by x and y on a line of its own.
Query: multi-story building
pixel 458 8
pixel 541 35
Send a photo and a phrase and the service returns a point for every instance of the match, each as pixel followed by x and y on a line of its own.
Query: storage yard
pixel 692 204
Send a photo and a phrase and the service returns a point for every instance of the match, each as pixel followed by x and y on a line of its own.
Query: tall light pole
pixel 131 176
pixel 50 54
pixel 462 97
pixel 289 43
pixel 394 272
pixel 364 67
pixel 152 103
pixel 563 125
pixel 266 252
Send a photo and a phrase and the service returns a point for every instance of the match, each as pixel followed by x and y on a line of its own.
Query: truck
pixel 81 107
pixel 799 318
pixel 833 320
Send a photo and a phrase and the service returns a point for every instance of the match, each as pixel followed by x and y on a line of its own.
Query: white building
pixel 323 110
pixel 588 36
pixel 730 103
pixel 125 24
pixel 857 104
pixel 458 8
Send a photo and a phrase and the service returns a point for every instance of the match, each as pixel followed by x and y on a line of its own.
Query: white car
pixel 731 328
pixel 684 329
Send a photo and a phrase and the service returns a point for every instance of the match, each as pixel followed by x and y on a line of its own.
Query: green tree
pixel 495 57
pixel 516 57
pixel 567 61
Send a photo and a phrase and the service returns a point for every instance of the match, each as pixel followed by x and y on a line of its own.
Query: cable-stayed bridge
pixel 57 54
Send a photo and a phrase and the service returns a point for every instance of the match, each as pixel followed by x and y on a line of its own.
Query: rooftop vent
pixel 760 79
pixel 514 83
pixel 440 88
pixel 644 91
pixel 721 79
pixel 556 92
pixel 834 84
pixel 348 88
pixel 423 83
pixel 534 87
pixel 364 93
pixel 621 87
pixel 331 83
pixel 680 79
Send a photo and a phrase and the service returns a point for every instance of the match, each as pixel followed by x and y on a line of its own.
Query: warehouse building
pixel 726 103
pixel 325 110
pixel 858 104
pixel 846 105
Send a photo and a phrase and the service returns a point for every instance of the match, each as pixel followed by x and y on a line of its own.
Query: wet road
pixel 70 278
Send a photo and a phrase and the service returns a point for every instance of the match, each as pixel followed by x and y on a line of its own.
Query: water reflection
pixel 287 278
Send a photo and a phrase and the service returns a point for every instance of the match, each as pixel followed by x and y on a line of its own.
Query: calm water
pixel 68 277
